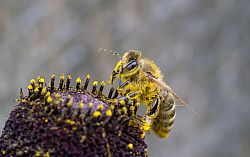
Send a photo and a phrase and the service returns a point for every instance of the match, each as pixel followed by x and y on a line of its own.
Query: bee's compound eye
pixel 131 65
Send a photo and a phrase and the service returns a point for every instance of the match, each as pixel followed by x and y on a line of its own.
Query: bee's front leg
pixel 124 93
pixel 122 87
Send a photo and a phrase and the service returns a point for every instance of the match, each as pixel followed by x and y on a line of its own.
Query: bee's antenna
pixel 114 53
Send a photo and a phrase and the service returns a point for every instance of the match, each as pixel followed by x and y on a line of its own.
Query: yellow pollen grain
pixel 132 108
pixel 88 76
pixel 130 146
pixel 112 107
pixel 96 114
pixel 81 105
pixel 36 90
pixel 32 81
pixel 103 83
pixel 53 76
pixel 115 101
pixel 145 127
pixel 56 102
pixel 39 77
pixel 100 107
pixel 46 120
pixel 90 105
pixel 47 94
pixel 62 77
pixel 125 109
pixel 4 152
pixel 78 80
pixel 44 90
pixel 70 103
pixel 109 113
pixel 69 121
pixel 30 87
pixel 49 99
pixel 69 77
pixel 83 138
pixel 95 83
pixel 122 102
pixel 143 135
pixel 41 80
pixel 57 96
pixel 46 154
pixel 38 153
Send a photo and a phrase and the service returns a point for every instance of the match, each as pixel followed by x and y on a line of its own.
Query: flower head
pixel 68 121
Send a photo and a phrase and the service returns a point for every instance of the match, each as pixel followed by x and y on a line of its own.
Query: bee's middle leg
pixel 129 96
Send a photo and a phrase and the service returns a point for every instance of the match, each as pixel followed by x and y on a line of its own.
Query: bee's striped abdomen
pixel 164 121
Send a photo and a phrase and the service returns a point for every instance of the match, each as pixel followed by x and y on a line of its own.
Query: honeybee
pixel 142 81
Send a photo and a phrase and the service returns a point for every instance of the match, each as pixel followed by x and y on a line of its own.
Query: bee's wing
pixel 165 89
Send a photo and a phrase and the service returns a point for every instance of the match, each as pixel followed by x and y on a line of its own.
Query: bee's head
pixel 127 65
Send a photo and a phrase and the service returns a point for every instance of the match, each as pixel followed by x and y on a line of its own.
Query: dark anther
pixel 110 92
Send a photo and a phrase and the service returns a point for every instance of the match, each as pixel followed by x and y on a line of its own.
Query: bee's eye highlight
pixel 131 65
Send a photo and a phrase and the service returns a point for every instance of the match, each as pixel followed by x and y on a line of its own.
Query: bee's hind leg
pixel 146 123
pixel 151 114
pixel 154 109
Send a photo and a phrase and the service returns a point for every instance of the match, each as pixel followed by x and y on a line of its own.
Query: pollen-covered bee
pixel 142 81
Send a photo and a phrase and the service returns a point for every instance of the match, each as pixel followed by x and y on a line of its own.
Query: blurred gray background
pixel 201 46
